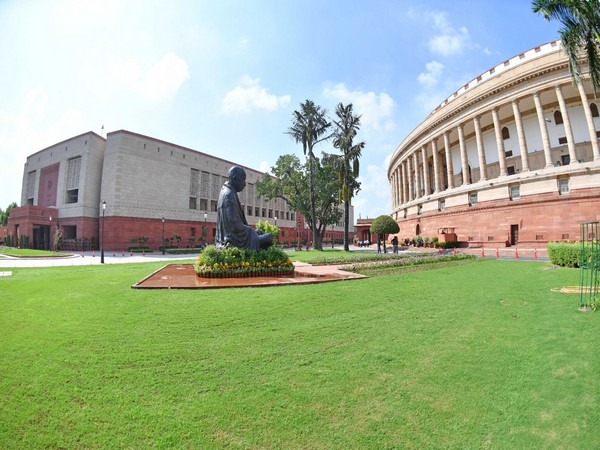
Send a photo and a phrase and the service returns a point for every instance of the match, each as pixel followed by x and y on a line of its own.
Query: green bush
pixel 564 254
pixel 242 261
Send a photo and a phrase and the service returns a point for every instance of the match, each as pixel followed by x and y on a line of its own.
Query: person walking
pixel 395 244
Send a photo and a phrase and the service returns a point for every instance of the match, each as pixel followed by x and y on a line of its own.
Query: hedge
pixel 564 254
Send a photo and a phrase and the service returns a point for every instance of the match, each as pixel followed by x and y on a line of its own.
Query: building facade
pixel 510 158
pixel 130 190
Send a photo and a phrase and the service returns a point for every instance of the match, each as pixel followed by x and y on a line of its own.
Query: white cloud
pixel 264 167
pixel 374 196
pixel 249 95
pixel 449 40
pixel 431 76
pixel 376 109
pixel 160 81
pixel 26 132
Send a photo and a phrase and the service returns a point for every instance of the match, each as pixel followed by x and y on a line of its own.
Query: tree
pixel 289 181
pixel 346 129
pixel 383 225
pixel 580 33
pixel 266 227
pixel 309 126
pixel 4 215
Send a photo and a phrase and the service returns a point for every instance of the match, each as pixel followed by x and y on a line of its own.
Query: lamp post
pixel 50 234
pixel 162 239
pixel 332 240
pixel 102 243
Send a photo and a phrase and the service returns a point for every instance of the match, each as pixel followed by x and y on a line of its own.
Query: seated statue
pixel 232 227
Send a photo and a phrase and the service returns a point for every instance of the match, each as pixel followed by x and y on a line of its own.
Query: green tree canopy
pixel 384 225
pixel 580 32
pixel 345 130
pixel 309 127
pixel 4 215
pixel 289 180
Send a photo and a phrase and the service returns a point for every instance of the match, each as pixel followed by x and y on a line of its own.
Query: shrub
pixel 242 262
pixel 565 254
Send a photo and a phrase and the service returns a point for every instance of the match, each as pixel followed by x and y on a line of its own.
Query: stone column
pixel 436 165
pixel 417 173
pixel 426 184
pixel 590 121
pixel 463 154
pixel 521 136
pixel 480 150
pixel 543 129
pixel 405 182
pixel 449 165
pixel 411 178
pixel 499 141
pixel 567 124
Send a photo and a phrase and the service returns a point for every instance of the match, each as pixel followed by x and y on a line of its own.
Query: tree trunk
pixel 346 226
pixel 316 238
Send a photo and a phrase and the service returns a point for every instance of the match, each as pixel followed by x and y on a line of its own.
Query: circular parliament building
pixel 510 158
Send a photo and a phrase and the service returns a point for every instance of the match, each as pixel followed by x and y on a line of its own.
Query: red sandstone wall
pixel 541 218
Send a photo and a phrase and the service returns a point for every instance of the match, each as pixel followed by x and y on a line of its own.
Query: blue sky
pixel 223 77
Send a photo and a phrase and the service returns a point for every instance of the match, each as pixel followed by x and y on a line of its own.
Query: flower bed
pixel 239 262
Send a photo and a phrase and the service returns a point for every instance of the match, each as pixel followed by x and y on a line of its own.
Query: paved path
pixel 90 258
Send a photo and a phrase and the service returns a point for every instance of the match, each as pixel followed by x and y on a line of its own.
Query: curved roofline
pixel 511 63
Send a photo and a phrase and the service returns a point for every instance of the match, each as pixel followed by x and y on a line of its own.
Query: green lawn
pixel 12 251
pixel 478 355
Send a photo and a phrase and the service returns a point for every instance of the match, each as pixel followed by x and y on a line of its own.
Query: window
pixel 472 198
pixel 441 204
pixel 204 204
pixel 72 195
pixel 505 133
pixel 419 209
pixel 565 160
pixel 405 213
pixel 510 170
pixel 514 192
pixel 563 186
pixel 562 140
pixel 30 187
pixel 193 232
pixel 558 118
pixel 257 211
pixel 193 203
pixel 508 153
pixel 73 168
pixel 594 109
pixel 249 210
pixel 194 183
pixel 213 205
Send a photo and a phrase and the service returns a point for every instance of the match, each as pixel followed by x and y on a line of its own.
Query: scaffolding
pixel 589 266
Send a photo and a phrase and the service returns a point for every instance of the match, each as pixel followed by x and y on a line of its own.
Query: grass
pixel 336 256
pixel 481 355
pixel 28 252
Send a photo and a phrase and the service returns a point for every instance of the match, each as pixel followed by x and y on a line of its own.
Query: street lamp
pixel 102 244
pixel 50 234
pixel 332 239
pixel 162 239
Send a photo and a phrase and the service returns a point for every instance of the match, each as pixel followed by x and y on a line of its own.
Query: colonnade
pixel 410 178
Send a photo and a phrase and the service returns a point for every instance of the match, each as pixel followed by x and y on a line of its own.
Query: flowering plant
pixel 240 262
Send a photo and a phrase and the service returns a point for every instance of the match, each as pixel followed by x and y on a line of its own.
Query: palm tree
pixel 580 32
pixel 309 126
pixel 343 138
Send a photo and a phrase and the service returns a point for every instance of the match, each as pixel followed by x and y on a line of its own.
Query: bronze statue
pixel 232 227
